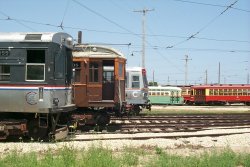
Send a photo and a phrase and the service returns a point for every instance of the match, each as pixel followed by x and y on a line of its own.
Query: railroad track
pixel 173 123
pixel 149 136
pixel 166 126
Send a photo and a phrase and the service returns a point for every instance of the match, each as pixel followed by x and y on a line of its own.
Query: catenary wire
pixel 204 27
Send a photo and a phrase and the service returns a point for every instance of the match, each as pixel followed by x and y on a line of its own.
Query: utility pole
pixel 206 77
pixel 247 78
pixel 143 11
pixel 186 68
pixel 219 74
pixel 153 77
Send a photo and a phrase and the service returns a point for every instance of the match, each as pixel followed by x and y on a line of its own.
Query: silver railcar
pixel 35 83
pixel 137 89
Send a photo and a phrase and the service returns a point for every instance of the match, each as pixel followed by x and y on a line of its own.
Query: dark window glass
pixel 35 72
pixel 4 72
pixel 127 80
pixel 77 71
pixel 35 66
pixel 35 56
pixel 120 69
pixel 93 72
pixel 135 81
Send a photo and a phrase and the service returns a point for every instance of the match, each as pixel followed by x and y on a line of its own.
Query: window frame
pixel 92 71
pixel 135 81
pixel 77 70
pixel 34 64
pixel 4 73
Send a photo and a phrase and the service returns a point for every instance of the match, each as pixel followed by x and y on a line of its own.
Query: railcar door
pixel 108 81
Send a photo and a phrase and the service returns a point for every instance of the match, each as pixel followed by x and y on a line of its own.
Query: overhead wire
pixel 64 14
pixel 195 49
pixel 100 15
pixel 203 28
pixel 19 21
pixel 105 18
pixel 116 32
pixel 151 47
pixel 209 4
pixel 128 32
pixel 164 57
pixel 9 18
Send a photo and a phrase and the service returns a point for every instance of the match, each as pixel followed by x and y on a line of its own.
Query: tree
pixel 152 83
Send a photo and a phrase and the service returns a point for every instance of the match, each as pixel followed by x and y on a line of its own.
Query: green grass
pixel 104 157
pixel 227 158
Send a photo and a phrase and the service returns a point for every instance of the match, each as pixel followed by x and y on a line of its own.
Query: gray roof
pixel 56 37
pixel 96 51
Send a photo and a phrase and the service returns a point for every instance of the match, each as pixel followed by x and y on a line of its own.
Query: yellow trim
pixel 207 92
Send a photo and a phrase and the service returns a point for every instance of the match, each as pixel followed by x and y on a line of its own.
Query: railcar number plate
pixel 1 127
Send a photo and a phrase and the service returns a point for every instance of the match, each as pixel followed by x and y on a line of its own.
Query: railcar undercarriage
pixel 32 126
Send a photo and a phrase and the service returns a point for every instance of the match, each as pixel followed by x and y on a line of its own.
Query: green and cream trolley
pixel 165 95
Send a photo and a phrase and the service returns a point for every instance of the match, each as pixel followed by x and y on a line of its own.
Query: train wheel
pixel 35 131
pixel 102 119
pixel 136 110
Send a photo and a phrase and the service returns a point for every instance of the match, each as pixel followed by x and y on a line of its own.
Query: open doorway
pixel 108 84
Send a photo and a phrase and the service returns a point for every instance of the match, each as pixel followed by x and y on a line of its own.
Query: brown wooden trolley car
pixel 99 81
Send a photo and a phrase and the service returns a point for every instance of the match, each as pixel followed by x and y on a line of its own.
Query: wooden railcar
pixel 99 80
pixel 221 94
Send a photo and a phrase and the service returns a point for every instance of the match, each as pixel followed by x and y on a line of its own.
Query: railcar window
pixel 136 81
pixel 244 92
pixel 211 92
pixel 230 91
pixel 108 76
pixel 172 93
pixel 120 69
pixel 221 92
pixel 4 72
pixel 127 80
pixel 35 72
pixel 216 92
pixel 248 92
pixel 93 72
pixel 225 92
pixel 77 71
pixel 235 92
pixel 35 66
pixel 240 92
pixel 35 56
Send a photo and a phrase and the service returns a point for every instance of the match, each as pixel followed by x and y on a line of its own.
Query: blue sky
pixel 223 36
